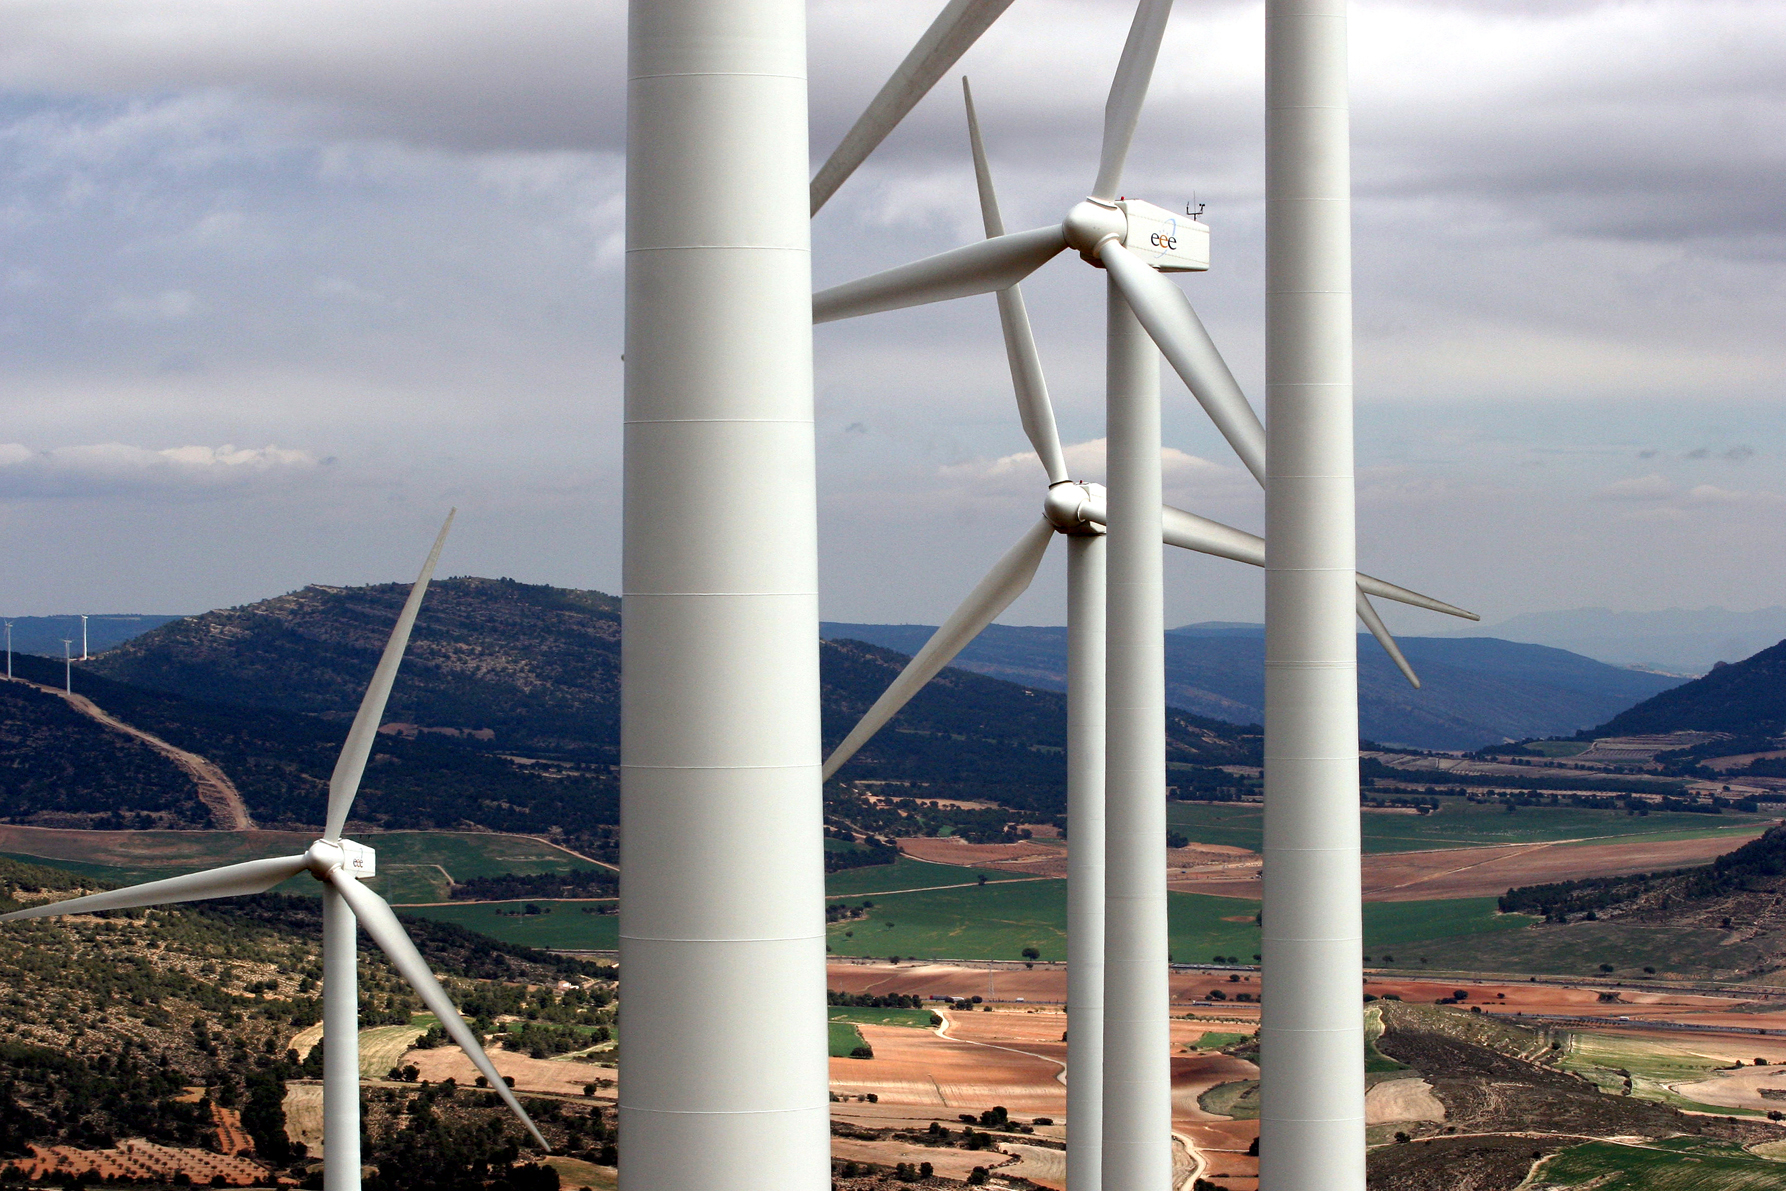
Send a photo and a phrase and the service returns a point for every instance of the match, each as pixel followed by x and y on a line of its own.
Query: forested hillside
pixel 506 716
pixel 1746 699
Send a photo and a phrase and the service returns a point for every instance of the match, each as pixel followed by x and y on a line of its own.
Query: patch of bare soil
pixel 1402 1100
pixel 562 1077
pixel 140 1161
pixel 1489 872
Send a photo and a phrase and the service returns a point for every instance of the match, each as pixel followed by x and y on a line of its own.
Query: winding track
pixel 215 790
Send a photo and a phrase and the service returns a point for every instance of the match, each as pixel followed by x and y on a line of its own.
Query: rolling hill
pixel 1475 691
pixel 508 703
pixel 1746 699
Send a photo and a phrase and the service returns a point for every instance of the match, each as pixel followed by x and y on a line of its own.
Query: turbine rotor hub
pixel 1069 506
pixel 1091 222
pixel 325 856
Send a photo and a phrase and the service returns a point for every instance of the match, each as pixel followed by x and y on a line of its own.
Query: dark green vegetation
pixel 62 768
pixel 1462 822
pixel 1745 699
pixel 1475 690
pixel 588 882
pixel 281 762
pixel 1507 1104
pixel 105 1021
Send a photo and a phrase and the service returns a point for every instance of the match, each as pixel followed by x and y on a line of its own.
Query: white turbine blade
pixel 381 923
pixel 1401 595
pixel 1191 532
pixel 344 783
pixel 995 264
pixel 1380 631
pixel 1033 406
pixel 955 29
pixel 1188 531
pixel 1174 326
pixel 1007 580
pixel 232 880
pixel 1128 90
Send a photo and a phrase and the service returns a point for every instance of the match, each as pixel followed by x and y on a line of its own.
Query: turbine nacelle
pixel 1170 243
pixel 352 859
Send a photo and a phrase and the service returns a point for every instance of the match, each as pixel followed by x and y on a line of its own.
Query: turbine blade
pixel 1033 406
pixel 1166 313
pixel 232 880
pixel 1380 631
pixel 350 766
pixel 1401 595
pixel 1191 532
pixel 381 923
pixel 1188 531
pixel 995 264
pixel 1128 90
pixel 1007 580
pixel 955 29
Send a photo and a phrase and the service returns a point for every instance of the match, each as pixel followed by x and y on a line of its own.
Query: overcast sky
pixel 280 281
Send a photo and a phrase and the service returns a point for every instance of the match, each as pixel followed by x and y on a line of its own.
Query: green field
pixel 998 921
pixel 1216 1039
pixel 845 1037
pixel 1684 952
pixel 1460 823
pixel 1674 1164
pixel 906 873
pixel 1606 1059
pixel 863 1016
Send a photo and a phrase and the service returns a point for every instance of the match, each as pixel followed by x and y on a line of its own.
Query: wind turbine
pixel 83 636
pixel 340 864
pixel 9 649
pixel 67 667
pixel 1076 510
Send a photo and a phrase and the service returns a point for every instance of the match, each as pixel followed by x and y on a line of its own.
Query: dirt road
pixel 215 790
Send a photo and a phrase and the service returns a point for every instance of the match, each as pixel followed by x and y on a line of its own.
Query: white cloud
pixel 111 468
pixel 1650 487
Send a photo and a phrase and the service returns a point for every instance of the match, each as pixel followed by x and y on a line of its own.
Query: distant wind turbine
pixel 9 649
pixel 340 864
pixel 83 636
pixel 67 667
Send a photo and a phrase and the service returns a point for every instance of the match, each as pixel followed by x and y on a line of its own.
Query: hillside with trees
pixel 506 716
pixel 1746 699
pixel 110 1022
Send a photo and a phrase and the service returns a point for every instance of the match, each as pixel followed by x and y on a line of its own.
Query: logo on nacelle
pixel 1167 240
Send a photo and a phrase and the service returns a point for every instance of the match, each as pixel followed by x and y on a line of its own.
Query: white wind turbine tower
pixel 67 667
pixel 83 636
pixel 1076 510
pixel 340 864
pixel 9 649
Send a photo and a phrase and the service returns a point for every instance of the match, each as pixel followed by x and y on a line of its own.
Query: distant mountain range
pixel 45 634
pixel 1475 691
pixel 1678 640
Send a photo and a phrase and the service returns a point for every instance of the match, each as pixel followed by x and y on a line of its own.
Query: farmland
pixel 1460 823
